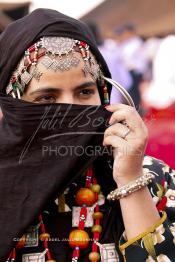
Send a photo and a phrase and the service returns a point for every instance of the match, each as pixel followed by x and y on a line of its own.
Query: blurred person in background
pixel 110 51
pixel 130 47
pixel 150 48
pixel 161 92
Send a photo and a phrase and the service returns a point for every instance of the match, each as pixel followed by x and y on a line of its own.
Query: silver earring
pixel 121 89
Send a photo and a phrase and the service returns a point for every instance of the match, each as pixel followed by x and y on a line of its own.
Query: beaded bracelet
pixel 131 187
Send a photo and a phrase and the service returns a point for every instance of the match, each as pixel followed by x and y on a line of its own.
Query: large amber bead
pixel 97 228
pixel 97 215
pixel 94 256
pixel 85 196
pixel 79 238
pixel 44 236
pixel 96 188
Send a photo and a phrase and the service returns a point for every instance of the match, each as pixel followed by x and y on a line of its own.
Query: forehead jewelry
pixel 58 45
pixel 90 65
pixel 58 55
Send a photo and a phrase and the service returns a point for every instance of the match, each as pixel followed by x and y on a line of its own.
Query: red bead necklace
pixel 78 238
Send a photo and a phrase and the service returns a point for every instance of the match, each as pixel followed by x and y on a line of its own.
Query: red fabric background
pixel 161 127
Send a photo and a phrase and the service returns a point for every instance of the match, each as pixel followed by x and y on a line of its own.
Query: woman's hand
pixel 129 141
pixel 128 136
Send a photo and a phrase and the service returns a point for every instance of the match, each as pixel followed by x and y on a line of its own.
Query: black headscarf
pixel 29 174
pixel 42 22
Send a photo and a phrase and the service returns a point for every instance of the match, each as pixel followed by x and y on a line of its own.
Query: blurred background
pixel 137 39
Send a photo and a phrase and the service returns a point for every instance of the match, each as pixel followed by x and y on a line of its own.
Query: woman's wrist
pixel 131 187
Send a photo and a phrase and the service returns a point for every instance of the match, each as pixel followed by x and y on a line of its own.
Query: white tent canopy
pixel 75 8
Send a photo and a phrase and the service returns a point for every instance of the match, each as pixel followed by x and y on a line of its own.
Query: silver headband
pixel 58 54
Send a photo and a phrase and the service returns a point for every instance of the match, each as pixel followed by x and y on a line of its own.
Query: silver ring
pixel 126 133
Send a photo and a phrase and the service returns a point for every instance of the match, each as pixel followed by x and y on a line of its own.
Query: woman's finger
pixel 115 107
pixel 114 141
pixel 120 130
pixel 128 116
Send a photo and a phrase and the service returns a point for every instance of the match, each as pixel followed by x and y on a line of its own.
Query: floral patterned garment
pixel 157 243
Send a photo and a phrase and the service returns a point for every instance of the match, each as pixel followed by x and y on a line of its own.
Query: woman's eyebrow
pixel 57 90
pixel 85 84
pixel 45 90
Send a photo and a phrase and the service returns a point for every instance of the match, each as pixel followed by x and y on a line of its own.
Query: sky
pixel 74 8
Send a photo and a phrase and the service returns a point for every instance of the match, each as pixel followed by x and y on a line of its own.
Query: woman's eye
pixel 86 92
pixel 45 99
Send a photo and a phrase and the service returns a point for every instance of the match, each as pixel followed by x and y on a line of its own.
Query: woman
pixel 52 85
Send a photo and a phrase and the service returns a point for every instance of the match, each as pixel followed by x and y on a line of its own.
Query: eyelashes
pixel 45 99
pixel 85 93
